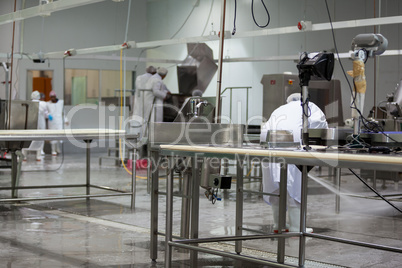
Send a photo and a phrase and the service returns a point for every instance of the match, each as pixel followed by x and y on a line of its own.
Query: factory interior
pixel 266 134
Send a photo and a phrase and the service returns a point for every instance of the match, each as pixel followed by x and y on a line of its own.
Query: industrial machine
pixel 197 109
pixel 389 117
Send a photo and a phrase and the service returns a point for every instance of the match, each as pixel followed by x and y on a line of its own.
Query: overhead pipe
pixel 40 10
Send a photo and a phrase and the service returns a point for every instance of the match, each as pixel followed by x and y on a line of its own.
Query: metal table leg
pixel 154 155
pixel 185 204
pixel 303 212
pixel 194 209
pixel 239 202
pixel 14 174
pixel 169 216
pixel 283 191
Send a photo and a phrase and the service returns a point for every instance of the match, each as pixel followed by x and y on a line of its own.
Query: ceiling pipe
pixel 44 9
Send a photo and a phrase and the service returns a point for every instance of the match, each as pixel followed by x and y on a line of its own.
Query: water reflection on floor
pixel 105 232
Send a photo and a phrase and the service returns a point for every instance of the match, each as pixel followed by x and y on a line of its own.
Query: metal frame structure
pixel 303 158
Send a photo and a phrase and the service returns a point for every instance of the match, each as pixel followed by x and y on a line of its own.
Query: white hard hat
pixel 294 97
pixel 162 71
pixel 35 95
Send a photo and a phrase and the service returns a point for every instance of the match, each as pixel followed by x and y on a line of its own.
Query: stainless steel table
pixel 303 158
pixel 79 137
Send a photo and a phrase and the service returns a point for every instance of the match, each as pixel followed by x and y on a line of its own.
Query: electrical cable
pixel 252 13
pixel 51 170
pixel 185 21
pixel 377 193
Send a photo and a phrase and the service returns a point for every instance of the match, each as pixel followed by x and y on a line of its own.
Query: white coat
pixel 288 117
pixel 142 102
pixel 159 91
pixel 56 110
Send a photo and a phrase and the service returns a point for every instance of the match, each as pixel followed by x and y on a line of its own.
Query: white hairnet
pixel 162 71
pixel 35 95
pixel 151 69
pixel 294 97
pixel 196 93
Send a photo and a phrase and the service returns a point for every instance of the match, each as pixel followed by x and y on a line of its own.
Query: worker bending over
pixel 288 117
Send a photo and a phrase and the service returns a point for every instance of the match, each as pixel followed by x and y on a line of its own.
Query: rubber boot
pixel 294 220
pixel 53 145
pixel 24 154
pixel 38 155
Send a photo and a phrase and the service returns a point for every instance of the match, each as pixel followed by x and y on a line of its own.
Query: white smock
pixel 42 115
pixel 56 110
pixel 142 103
pixel 159 91
pixel 288 117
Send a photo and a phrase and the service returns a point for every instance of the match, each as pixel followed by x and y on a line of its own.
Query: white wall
pixel 283 13
pixel 93 25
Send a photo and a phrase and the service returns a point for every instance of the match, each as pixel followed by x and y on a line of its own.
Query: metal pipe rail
pixel 304 158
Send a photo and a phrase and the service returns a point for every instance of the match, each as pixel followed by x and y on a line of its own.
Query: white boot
pixel 38 155
pixel 24 154
pixel 294 220
pixel 53 145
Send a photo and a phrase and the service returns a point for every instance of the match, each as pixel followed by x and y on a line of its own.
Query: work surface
pixel 47 134
pixel 298 157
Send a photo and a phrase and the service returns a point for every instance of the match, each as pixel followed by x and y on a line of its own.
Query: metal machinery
pixel 195 73
pixel 325 94
pixel 18 115
pixel 197 109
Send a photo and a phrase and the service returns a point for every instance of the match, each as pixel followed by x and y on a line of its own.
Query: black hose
pixel 374 190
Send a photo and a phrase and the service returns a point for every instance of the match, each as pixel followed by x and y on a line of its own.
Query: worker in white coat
pixel 288 117
pixel 42 115
pixel 143 101
pixel 160 93
pixel 56 119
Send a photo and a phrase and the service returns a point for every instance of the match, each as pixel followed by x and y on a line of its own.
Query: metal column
pixel 303 212
pixel 194 209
